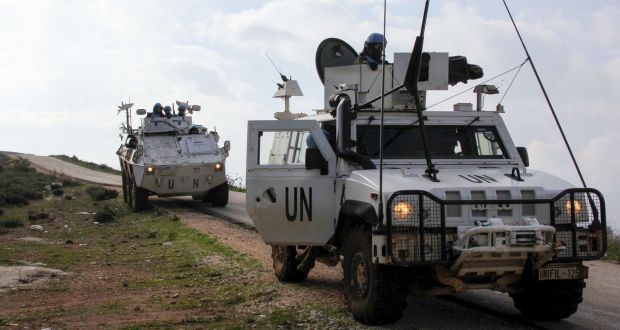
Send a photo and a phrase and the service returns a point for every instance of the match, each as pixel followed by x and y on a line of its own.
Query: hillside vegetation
pixel 126 270
pixel 90 165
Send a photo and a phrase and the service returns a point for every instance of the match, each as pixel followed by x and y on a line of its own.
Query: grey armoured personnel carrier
pixel 171 156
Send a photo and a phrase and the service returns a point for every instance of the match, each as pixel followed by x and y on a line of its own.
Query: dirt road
pixel 54 165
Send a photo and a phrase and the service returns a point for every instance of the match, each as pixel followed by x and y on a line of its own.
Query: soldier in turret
pixel 157 111
pixel 167 111
pixel 181 111
pixel 373 50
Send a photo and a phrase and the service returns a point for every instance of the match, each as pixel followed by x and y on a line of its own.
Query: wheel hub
pixel 359 275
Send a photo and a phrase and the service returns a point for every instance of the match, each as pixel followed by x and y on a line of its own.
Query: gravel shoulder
pixel 323 284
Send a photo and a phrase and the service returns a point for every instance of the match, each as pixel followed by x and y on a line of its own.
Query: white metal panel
pixel 288 203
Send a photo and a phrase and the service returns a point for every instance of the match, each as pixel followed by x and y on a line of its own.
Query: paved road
pixel 55 165
pixel 477 309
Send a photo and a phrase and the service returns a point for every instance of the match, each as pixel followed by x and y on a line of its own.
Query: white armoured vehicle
pixel 461 213
pixel 171 156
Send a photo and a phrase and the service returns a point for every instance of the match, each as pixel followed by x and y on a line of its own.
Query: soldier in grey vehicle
pixel 373 50
pixel 167 111
pixel 157 111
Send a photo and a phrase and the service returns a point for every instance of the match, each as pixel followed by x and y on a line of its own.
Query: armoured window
pixel 282 147
pixel 445 141
pixel 478 210
pixel 528 209
pixel 453 210
pixel 504 210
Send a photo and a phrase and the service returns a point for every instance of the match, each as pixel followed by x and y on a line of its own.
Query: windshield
pixel 446 141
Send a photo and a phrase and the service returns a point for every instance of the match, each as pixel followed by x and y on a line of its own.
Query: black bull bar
pixel 421 237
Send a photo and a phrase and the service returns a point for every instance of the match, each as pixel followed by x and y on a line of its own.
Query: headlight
pixel 402 210
pixel 569 206
pixel 150 169
pixel 219 167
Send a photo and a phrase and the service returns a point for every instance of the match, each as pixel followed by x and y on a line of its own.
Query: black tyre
pixel 375 294
pixel 138 199
pixel 285 264
pixel 550 300
pixel 124 183
pixel 218 196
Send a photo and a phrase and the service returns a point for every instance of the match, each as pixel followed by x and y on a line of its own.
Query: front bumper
pixel 423 238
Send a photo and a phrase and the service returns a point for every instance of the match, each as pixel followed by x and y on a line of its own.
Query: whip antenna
pixel 380 215
pixel 557 121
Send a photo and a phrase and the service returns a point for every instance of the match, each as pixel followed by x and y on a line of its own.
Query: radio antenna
pixel 283 77
pixel 380 215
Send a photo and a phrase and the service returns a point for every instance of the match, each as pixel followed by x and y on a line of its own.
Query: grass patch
pixel 613 249
pixel 90 165
pixel 235 183
pixel 20 183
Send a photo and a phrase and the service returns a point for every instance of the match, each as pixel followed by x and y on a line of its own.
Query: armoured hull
pixel 170 156
pixel 179 180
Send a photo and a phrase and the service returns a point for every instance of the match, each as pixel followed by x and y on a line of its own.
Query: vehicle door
pixel 290 202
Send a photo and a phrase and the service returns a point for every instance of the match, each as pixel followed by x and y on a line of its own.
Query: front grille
pixel 417 232
pixel 418 228
pixel 523 238
pixel 579 219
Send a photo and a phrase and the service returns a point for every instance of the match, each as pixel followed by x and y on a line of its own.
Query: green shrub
pixel 1 212
pixel 100 193
pixel 14 199
pixel 58 192
pixel 104 216
pixel 11 223
pixel 33 195
pixel 33 216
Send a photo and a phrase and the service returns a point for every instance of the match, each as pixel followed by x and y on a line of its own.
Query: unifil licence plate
pixel 563 272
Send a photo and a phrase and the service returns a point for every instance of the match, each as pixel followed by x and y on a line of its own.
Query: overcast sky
pixel 66 65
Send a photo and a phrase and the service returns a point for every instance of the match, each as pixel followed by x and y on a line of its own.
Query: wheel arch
pixel 352 213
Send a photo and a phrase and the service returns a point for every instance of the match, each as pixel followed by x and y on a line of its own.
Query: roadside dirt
pixel 323 284
pixel 19 277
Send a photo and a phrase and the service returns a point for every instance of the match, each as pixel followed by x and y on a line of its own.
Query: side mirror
pixel 195 108
pixel 315 160
pixel 227 145
pixel 141 112
pixel 131 142
pixel 524 157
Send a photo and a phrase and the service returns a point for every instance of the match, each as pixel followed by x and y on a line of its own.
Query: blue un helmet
pixel 181 110
pixel 376 38
pixel 157 108
pixel 373 47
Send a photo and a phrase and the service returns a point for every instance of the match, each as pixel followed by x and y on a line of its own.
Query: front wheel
pixel 550 300
pixel 375 294
pixel 218 196
pixel 285 264
pixel 138 198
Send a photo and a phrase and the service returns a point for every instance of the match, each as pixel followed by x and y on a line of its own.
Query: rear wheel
pixel 218 196
pixel 550 300
pixel 285 264
pixel 375 294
